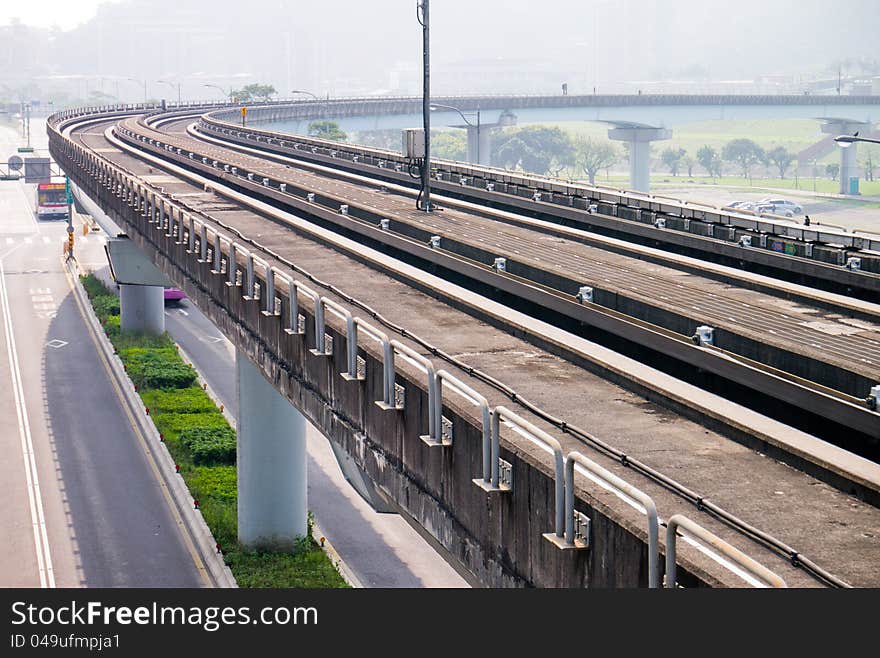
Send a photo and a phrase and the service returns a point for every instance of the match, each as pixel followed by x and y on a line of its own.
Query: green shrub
pixel 95 287
pixel 306 567
pixel 216 482
pixel 111 325
pixel 171 425
pixel 105 305
pixel 137 339
pixel 222 519
pixel 179 401
pixel 209 445
pixel 159 367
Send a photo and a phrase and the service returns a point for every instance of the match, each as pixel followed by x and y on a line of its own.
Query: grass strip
pixel 197 436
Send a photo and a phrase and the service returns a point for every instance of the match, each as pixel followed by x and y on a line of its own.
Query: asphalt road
pixel 79 503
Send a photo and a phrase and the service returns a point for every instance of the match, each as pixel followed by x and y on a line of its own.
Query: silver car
pixel 782 207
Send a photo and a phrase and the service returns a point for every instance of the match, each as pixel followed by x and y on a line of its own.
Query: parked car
pixel 741 205
pixel 782 207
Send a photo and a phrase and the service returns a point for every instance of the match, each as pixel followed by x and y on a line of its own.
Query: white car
pixel 782 207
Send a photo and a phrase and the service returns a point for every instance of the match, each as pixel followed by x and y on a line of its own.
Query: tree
pixel 782 158
pixel 254 91
pixel 709 160
pixel 672 158
pixel 448 144
pixel 870 160
pixel 594 155
pixel 532 148
pixel 689 162
pixel 327 130
pixel 832 170
pixel 745 153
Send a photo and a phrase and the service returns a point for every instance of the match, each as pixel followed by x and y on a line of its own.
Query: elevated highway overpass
pixel 306 299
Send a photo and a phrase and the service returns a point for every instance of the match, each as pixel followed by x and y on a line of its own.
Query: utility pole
pixel 69 217
pixel 424 19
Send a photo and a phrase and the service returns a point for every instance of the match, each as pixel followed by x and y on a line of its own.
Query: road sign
pixel 37 170
pixel 243 112
pixel 68 190
pixel 15 163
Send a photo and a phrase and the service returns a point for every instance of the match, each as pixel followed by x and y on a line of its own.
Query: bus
pixel 52 201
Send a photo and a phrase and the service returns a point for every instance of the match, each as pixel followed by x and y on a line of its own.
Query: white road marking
pixel 38 519
pixel 46 239
pixel 10 241
pixel 28 241
pixel 180 310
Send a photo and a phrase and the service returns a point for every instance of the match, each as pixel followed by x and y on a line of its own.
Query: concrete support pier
pixel 849 165
pixel 142 308
pixel 639 137
pixel 272 501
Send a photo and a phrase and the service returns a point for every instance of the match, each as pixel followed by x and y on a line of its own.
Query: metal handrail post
pixel 679 520
pixel 624 487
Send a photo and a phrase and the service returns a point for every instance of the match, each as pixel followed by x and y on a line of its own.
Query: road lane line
pixel 38 520
pixel 188 540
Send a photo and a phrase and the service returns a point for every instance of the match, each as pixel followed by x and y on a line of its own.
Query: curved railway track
pixel 825 378
pixel 94 138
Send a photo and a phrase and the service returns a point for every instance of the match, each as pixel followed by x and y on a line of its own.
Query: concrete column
pixel 483 155
pixel 849 167
pixel 272 503
pixel 142 308
pixel 639 138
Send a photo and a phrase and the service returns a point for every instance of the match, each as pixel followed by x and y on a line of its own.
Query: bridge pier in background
pixel 849 165
pixel 142 308
pixel 272 500
pixel 639 137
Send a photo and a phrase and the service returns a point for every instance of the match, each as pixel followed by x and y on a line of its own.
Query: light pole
pixel 222 90
pixel 172 85
pixel 308 93
pixel 423 16
pixel 437 106
pixel 145 87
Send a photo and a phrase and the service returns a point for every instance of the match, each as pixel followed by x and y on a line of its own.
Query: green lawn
pixel 822 185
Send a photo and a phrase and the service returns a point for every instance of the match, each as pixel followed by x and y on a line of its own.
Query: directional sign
pixel 15 163
pixel 37 170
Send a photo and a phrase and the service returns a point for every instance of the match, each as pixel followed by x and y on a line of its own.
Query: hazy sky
pixel 598 40
pixel 45 13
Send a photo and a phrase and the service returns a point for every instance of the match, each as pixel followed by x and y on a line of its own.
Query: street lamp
pixel 145 88
pixel 845 141
pixel 222 90
pixel 172 85
pixel 437 106
pixel 308 93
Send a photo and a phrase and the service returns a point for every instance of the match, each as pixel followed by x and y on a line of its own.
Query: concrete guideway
pixel 320 256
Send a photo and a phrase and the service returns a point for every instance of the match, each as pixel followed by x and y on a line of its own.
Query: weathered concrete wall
pixel 497 537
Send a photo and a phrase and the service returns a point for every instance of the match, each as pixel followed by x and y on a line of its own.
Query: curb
pixel 317 534
pixel 343 569
pixel 196 526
